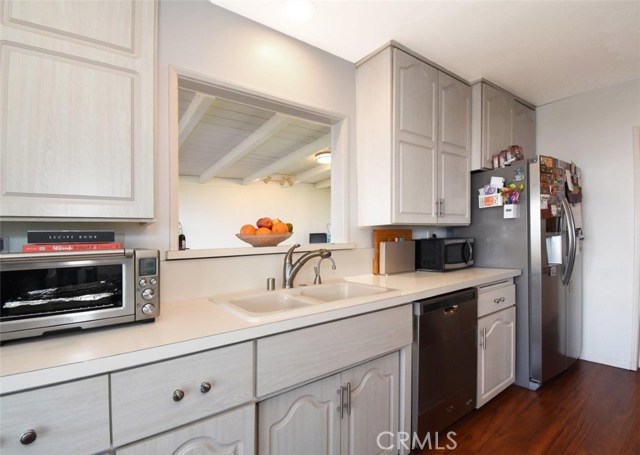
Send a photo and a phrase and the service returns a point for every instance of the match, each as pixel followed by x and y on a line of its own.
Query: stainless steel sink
pixel 265 305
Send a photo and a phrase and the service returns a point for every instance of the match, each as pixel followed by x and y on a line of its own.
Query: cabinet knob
pixel 205 387
pixel 178 395
pixel 28 437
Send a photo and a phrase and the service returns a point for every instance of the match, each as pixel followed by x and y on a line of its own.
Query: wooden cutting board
pixel 385 235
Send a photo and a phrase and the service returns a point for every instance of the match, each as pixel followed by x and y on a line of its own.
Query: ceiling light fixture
pixel 299 10
pixel 323 157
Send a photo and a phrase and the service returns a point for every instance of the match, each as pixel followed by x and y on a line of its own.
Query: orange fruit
pixel 263 231
pixel 280 228
pixel 247 229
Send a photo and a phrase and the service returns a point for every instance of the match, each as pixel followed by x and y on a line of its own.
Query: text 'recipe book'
pixel 64 236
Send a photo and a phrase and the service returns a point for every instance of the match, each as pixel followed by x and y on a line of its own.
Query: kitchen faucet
pixel 291 269
pixel 316 269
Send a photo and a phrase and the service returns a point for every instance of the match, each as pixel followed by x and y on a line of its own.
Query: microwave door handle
pixel 470 259
pixel 571 243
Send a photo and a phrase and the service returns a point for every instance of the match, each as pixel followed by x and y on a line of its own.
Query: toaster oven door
pixel 66 292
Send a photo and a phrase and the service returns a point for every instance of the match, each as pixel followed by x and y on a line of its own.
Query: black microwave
pixel 444 254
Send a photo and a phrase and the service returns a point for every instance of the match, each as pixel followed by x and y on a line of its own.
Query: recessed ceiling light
pixel 323 157
pixel 299 10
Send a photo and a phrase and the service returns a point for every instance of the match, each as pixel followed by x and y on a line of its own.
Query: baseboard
pixel 618 363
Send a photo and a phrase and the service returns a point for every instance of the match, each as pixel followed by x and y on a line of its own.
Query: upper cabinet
pixel 413 142
pixel 499 121
pixel 76 107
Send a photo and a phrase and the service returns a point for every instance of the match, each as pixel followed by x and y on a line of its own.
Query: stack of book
pixel 47 241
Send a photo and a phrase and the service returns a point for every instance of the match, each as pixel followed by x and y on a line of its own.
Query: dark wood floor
pixel 590 409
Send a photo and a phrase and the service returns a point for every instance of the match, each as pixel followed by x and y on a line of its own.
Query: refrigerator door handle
pixel 571 238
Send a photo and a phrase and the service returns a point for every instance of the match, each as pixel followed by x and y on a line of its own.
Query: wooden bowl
pixel 264 240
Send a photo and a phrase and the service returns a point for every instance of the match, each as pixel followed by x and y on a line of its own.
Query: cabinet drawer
pixel 496 299
pixel 67 418
pixel 285 360
pixel 157 397
pixel 230 433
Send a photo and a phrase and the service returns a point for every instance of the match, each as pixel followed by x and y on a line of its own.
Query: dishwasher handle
pixel 451 310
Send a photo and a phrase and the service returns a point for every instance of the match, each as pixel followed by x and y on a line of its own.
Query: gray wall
pixel 595 130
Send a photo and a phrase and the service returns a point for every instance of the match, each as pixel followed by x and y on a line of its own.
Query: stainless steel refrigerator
pixel 545 242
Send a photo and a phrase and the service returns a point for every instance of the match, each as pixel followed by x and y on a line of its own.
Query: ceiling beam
pixel 199 106
pixel 322 185
pixel 293 157
pixel 257 138
pixel 318 172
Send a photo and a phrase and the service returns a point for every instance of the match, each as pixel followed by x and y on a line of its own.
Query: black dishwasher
pixel 444 360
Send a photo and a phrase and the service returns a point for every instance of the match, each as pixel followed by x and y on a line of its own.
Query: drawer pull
pixel 205 387
pixel 178 395
pixel 28 437
pixel 498 300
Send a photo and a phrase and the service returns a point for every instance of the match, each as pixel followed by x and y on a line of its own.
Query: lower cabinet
pixel 352 412
pixel 159 397
pixel 65 418
pixel 496 353
pixel 231 433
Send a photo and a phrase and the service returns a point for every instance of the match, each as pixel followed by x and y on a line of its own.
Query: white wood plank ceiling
pixel 220 138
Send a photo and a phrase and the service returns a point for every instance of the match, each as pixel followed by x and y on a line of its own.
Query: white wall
pixel 595 131
pixel 202 38
pixel 212 213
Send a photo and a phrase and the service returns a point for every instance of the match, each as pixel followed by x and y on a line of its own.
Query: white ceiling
pixel 225 139
pixel 541 51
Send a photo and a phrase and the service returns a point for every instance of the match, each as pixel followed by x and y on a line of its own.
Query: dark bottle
pixel 182 240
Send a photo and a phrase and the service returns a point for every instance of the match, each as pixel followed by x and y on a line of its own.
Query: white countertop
pixel 190 326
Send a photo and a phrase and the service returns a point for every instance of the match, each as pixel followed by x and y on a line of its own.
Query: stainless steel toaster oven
pixel 51 292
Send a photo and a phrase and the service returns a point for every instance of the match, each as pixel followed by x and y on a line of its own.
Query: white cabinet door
pixel 413 143
pixel 496 354
pixel 497 109
pixel 76 104
pixel 524 129
pixel 231 433
pixel 305 420
pixel 415 128
pixel 373 407
pixel 499 120
pixel 67 418
pixel 454 150
pixel 324 418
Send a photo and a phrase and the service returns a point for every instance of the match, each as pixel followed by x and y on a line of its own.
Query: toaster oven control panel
pixel 147 284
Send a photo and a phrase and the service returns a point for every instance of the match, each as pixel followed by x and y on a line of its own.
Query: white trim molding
pixel 635 312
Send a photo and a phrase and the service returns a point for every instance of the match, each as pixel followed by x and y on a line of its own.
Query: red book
pixel 48 247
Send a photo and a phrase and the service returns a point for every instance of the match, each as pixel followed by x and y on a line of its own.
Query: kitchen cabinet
pixel 496 341
pixel 67 418
pixel 413 154
pixel 343 413
pixel 230 433
pixel 499 120
pixel 524 129
pixel 153 398
pixel 77 108
pixel 292 358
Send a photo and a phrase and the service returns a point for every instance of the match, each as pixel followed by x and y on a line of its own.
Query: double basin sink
pixel 265 305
